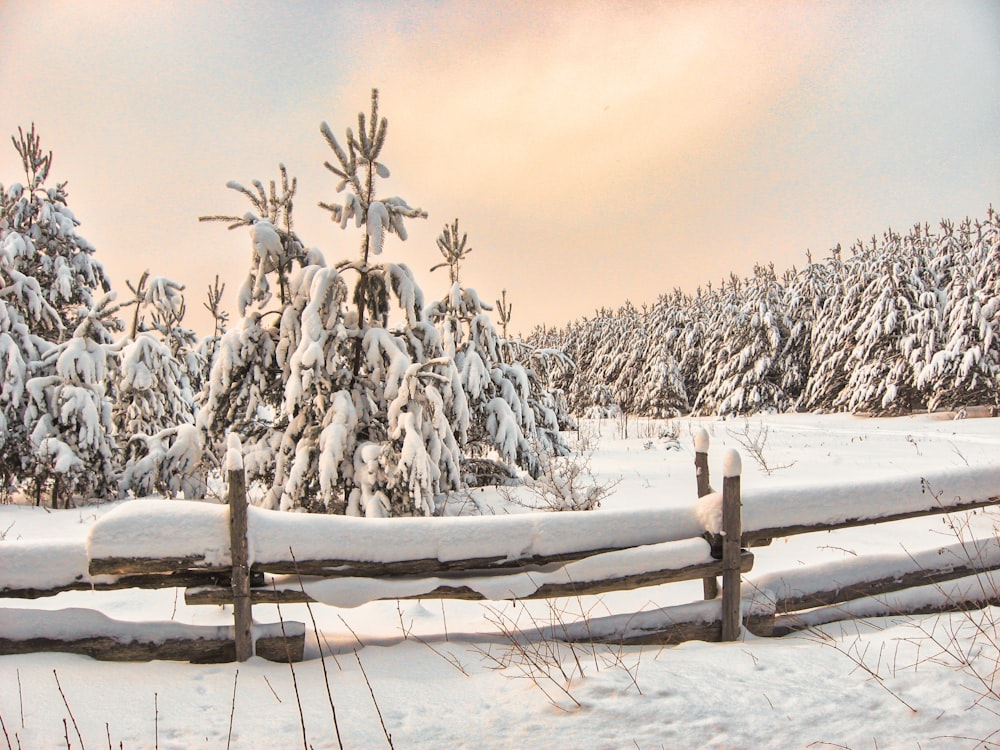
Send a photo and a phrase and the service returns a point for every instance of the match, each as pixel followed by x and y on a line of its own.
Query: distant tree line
pixel 900 323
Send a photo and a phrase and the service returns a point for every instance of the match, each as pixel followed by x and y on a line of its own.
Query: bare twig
pixel 322 659
pixel 68 709
pixel 20 697
pixel 755 444
pixel 450 658
pixel 232 710
pixel 291 666
pixel 385 731
pixel 276 696
pixel 360 642
pixel 5 735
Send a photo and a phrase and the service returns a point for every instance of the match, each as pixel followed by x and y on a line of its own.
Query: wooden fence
pixel 231 556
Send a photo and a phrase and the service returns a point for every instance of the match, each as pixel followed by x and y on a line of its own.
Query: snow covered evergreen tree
pixel 884 326
pixel 512 416
pixel 963 369
pixel 749 349
pixel 250 366
pixel 39 231
pixel 341 407
pixel 901 323
pixel 160 368
pixel 68 413
pixel 48 278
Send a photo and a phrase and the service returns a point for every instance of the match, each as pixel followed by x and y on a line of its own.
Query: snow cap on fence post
pixel 732 464
pixel 701 441
pixel 234 453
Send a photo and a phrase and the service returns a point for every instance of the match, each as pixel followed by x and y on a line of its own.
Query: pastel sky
pixel 594 151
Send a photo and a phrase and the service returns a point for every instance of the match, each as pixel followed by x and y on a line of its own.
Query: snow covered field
pixel 445 675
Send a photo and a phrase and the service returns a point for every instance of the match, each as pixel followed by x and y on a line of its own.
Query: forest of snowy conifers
pixel 349 392
pixel 352 393
pixel 896 324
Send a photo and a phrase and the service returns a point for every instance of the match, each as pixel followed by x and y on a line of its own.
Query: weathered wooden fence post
pixel 242 610
pixel 732 533
pixel 710 585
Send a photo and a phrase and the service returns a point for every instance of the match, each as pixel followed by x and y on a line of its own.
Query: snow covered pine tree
pixel 338 411
pixel 48 284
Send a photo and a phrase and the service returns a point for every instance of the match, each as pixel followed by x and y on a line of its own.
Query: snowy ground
pixel 444 676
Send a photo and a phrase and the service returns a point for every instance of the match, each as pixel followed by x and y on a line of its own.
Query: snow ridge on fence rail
pixel 807 508
pixel 128 539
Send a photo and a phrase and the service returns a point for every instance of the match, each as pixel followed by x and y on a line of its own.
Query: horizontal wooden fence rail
pixel 90 633
pixel 531 584
pixel 232 553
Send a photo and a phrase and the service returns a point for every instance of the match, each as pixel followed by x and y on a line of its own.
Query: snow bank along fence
pixel 222 554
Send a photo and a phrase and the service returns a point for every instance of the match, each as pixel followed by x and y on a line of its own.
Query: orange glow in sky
pixel 593 151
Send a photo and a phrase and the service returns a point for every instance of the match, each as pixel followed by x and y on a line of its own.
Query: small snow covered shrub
pixel 563 482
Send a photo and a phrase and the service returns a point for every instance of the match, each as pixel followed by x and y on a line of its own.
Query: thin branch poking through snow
pixel 5 735
pixel 68 709
pixel 385 731
pixel 232 710
pixel 319 642
pixel 291 666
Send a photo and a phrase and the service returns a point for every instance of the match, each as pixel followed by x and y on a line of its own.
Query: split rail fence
pixel 142 545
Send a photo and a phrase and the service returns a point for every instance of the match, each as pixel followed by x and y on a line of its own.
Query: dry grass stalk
pixel 291 666
pixel 388 737
pixel 322 660
pixel 76 727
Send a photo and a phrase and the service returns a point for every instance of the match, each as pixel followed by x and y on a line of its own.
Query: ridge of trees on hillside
pixel 901 323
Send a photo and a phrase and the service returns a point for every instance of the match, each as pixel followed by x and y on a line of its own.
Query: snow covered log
pixel 91 633
pixel 873 575
pixel 622 570
pixel 38 568
pixel 131 539
pixel 160 536
pixel 699 621
pixel 961 595
pixel 800 510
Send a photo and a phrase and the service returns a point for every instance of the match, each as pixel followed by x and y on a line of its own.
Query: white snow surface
pixel 155 528
pixel 42 564
pixel 507 537
pixel 444 674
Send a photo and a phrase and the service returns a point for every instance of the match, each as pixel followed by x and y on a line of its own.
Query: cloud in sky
pixel 593 151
